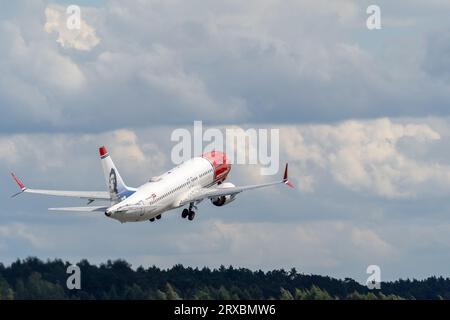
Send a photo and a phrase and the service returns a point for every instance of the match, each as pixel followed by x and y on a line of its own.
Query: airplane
pixel 186 185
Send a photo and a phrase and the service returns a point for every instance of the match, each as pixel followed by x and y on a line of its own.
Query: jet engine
pixel 223 200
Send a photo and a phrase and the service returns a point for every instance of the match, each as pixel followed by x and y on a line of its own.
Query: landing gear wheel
pixel 191 215
pixel 152 219
pixel 185 213
pixel 158 217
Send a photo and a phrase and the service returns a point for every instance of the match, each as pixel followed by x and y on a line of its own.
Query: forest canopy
pixel 33 278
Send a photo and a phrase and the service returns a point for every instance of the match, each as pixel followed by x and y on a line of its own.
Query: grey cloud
pixel 437 57
pixel 171 63
pixel 365 157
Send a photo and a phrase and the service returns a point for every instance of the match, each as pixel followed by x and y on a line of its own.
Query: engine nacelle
pixel 223 200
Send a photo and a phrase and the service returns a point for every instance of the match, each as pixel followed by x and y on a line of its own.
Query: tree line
pixel 33 278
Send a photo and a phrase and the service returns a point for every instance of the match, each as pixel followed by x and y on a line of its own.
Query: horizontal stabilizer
pixel 81 209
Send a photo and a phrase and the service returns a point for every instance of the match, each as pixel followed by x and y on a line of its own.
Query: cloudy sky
pixel 364 120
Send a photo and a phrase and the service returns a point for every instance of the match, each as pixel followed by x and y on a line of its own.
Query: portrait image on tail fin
pixel 113 184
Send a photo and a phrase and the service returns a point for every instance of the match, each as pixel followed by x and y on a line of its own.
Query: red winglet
pixel 102 151
pixel 21 185
pixel 285 177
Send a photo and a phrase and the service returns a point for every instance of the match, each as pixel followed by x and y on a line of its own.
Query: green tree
pixel 134 293
pixel 285 294
pixel 300 294
pixel 38 288
pixel 392 297
pixel 315 293
pixel 20 292
pixel 360 296
pixel 202 294
pixel 6 292
pixel 355 296
pixel 371 296
pixel 171 293
pixel 223 294
pixel 35 279
pixel 159 295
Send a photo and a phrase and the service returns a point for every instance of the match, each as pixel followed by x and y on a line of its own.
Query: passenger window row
pixel 179 187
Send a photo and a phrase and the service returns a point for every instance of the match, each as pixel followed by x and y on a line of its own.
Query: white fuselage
pixel 166 191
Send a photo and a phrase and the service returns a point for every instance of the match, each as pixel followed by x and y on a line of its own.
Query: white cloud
pixel 370 242
pixel 126 145
pixel 83 39
pixel 30 70
pixel 168 87
pixel 381 157
pixel 20 231
pixel 223 62
pixel 365 156
pixel 33 155
pixel 8 150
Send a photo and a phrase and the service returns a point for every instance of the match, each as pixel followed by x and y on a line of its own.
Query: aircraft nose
pixel 108 212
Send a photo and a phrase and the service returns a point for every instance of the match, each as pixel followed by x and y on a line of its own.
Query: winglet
pixel 285 177
pixel 20 184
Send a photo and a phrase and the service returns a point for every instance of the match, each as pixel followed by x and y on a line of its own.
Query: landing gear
pixel 189 213
pixel 153 219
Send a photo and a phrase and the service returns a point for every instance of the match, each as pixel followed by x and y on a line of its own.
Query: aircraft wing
pixel 81 209
pixel 91 195
pixel 210 193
